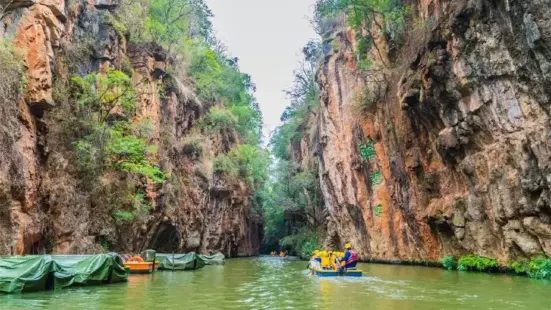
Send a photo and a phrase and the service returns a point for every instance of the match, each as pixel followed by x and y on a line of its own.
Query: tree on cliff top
pixel 168 23
pixel 367 18
pixel 184 29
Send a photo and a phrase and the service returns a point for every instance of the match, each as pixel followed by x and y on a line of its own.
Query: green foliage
pixel 225 165
pixel 293 187
pixel 304 96
pixel 220 118
pixel 378 210
pixel 105 94
pixel 376 178
pixel 206 71
pixel 274 225
pixel 519 267
pixel 477 263
pixel 283 136
pixel 166 22
pixel 135 206
pixel 169 21
pixel 119 27
pixel 367 17
pixel 130 153
pixel 245 161
pixel 12 74
pixel 217 79
pixel 540 268
pixel 367 151
pixel 184 29
pixel 302 243
pixel 537 268
pixel 449 262
pixel 112 139
pixel 123 215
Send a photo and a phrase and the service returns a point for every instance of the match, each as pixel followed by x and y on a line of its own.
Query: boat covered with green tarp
pixel 189 261
pixel 46 272
pixel 216 259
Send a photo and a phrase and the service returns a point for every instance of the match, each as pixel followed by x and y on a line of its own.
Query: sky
pixel 267 36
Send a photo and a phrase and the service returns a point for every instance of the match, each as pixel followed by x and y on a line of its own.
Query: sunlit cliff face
pixel 46 205
pixel 453 159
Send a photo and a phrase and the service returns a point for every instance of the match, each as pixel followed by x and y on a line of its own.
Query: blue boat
pixel 336 273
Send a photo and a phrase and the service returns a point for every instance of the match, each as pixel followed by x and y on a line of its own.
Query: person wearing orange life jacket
pixel 350 258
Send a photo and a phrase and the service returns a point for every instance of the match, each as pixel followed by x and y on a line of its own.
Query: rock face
pixel 454 157
pixel 44 203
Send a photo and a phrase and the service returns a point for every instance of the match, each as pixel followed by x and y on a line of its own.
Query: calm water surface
pixel 274 283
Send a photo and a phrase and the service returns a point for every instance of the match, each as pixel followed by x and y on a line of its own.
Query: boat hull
pixel 137 268
pixel 336 273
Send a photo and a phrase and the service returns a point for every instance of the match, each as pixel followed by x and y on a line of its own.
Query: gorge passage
pixel 416 130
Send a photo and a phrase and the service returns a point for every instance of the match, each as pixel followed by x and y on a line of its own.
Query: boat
pixel 189 261
pixel 47 272
pixel 141 267
pixel 336 273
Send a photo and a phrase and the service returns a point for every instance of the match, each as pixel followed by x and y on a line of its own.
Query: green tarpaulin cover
pixel 216 259
pixel 189 261
pixel 25 273
pixel 34 273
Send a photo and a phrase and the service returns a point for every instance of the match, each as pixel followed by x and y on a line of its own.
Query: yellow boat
pixel 145 267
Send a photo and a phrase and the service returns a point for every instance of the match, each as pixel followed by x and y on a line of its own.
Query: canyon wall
pixel 442 148
pixel 46 205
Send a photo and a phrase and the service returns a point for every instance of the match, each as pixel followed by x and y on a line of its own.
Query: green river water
pixel 274 283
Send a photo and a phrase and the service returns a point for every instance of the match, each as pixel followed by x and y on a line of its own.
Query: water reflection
pixel 275 283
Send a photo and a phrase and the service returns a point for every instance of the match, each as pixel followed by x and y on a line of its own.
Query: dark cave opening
pixel 167 238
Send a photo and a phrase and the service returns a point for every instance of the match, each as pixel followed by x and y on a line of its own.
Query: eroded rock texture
pixel 46 205
pixel 454 158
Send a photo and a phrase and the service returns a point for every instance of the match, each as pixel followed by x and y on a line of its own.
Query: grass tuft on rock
pixel 477 263
pixel 449 262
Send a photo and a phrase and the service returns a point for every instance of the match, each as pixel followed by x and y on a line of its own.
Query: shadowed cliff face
pixel 44 202
pixel 454 158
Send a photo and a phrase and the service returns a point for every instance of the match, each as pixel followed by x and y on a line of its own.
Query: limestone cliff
pixel 46 205
pixel 452 154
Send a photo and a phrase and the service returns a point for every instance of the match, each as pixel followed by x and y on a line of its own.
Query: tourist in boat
pixel 350 258
pixel 325 261
pixel 333 260
pixel 316 256
pixel 315 262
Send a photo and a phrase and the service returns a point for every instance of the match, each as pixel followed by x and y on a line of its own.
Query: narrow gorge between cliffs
pixel 415 130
